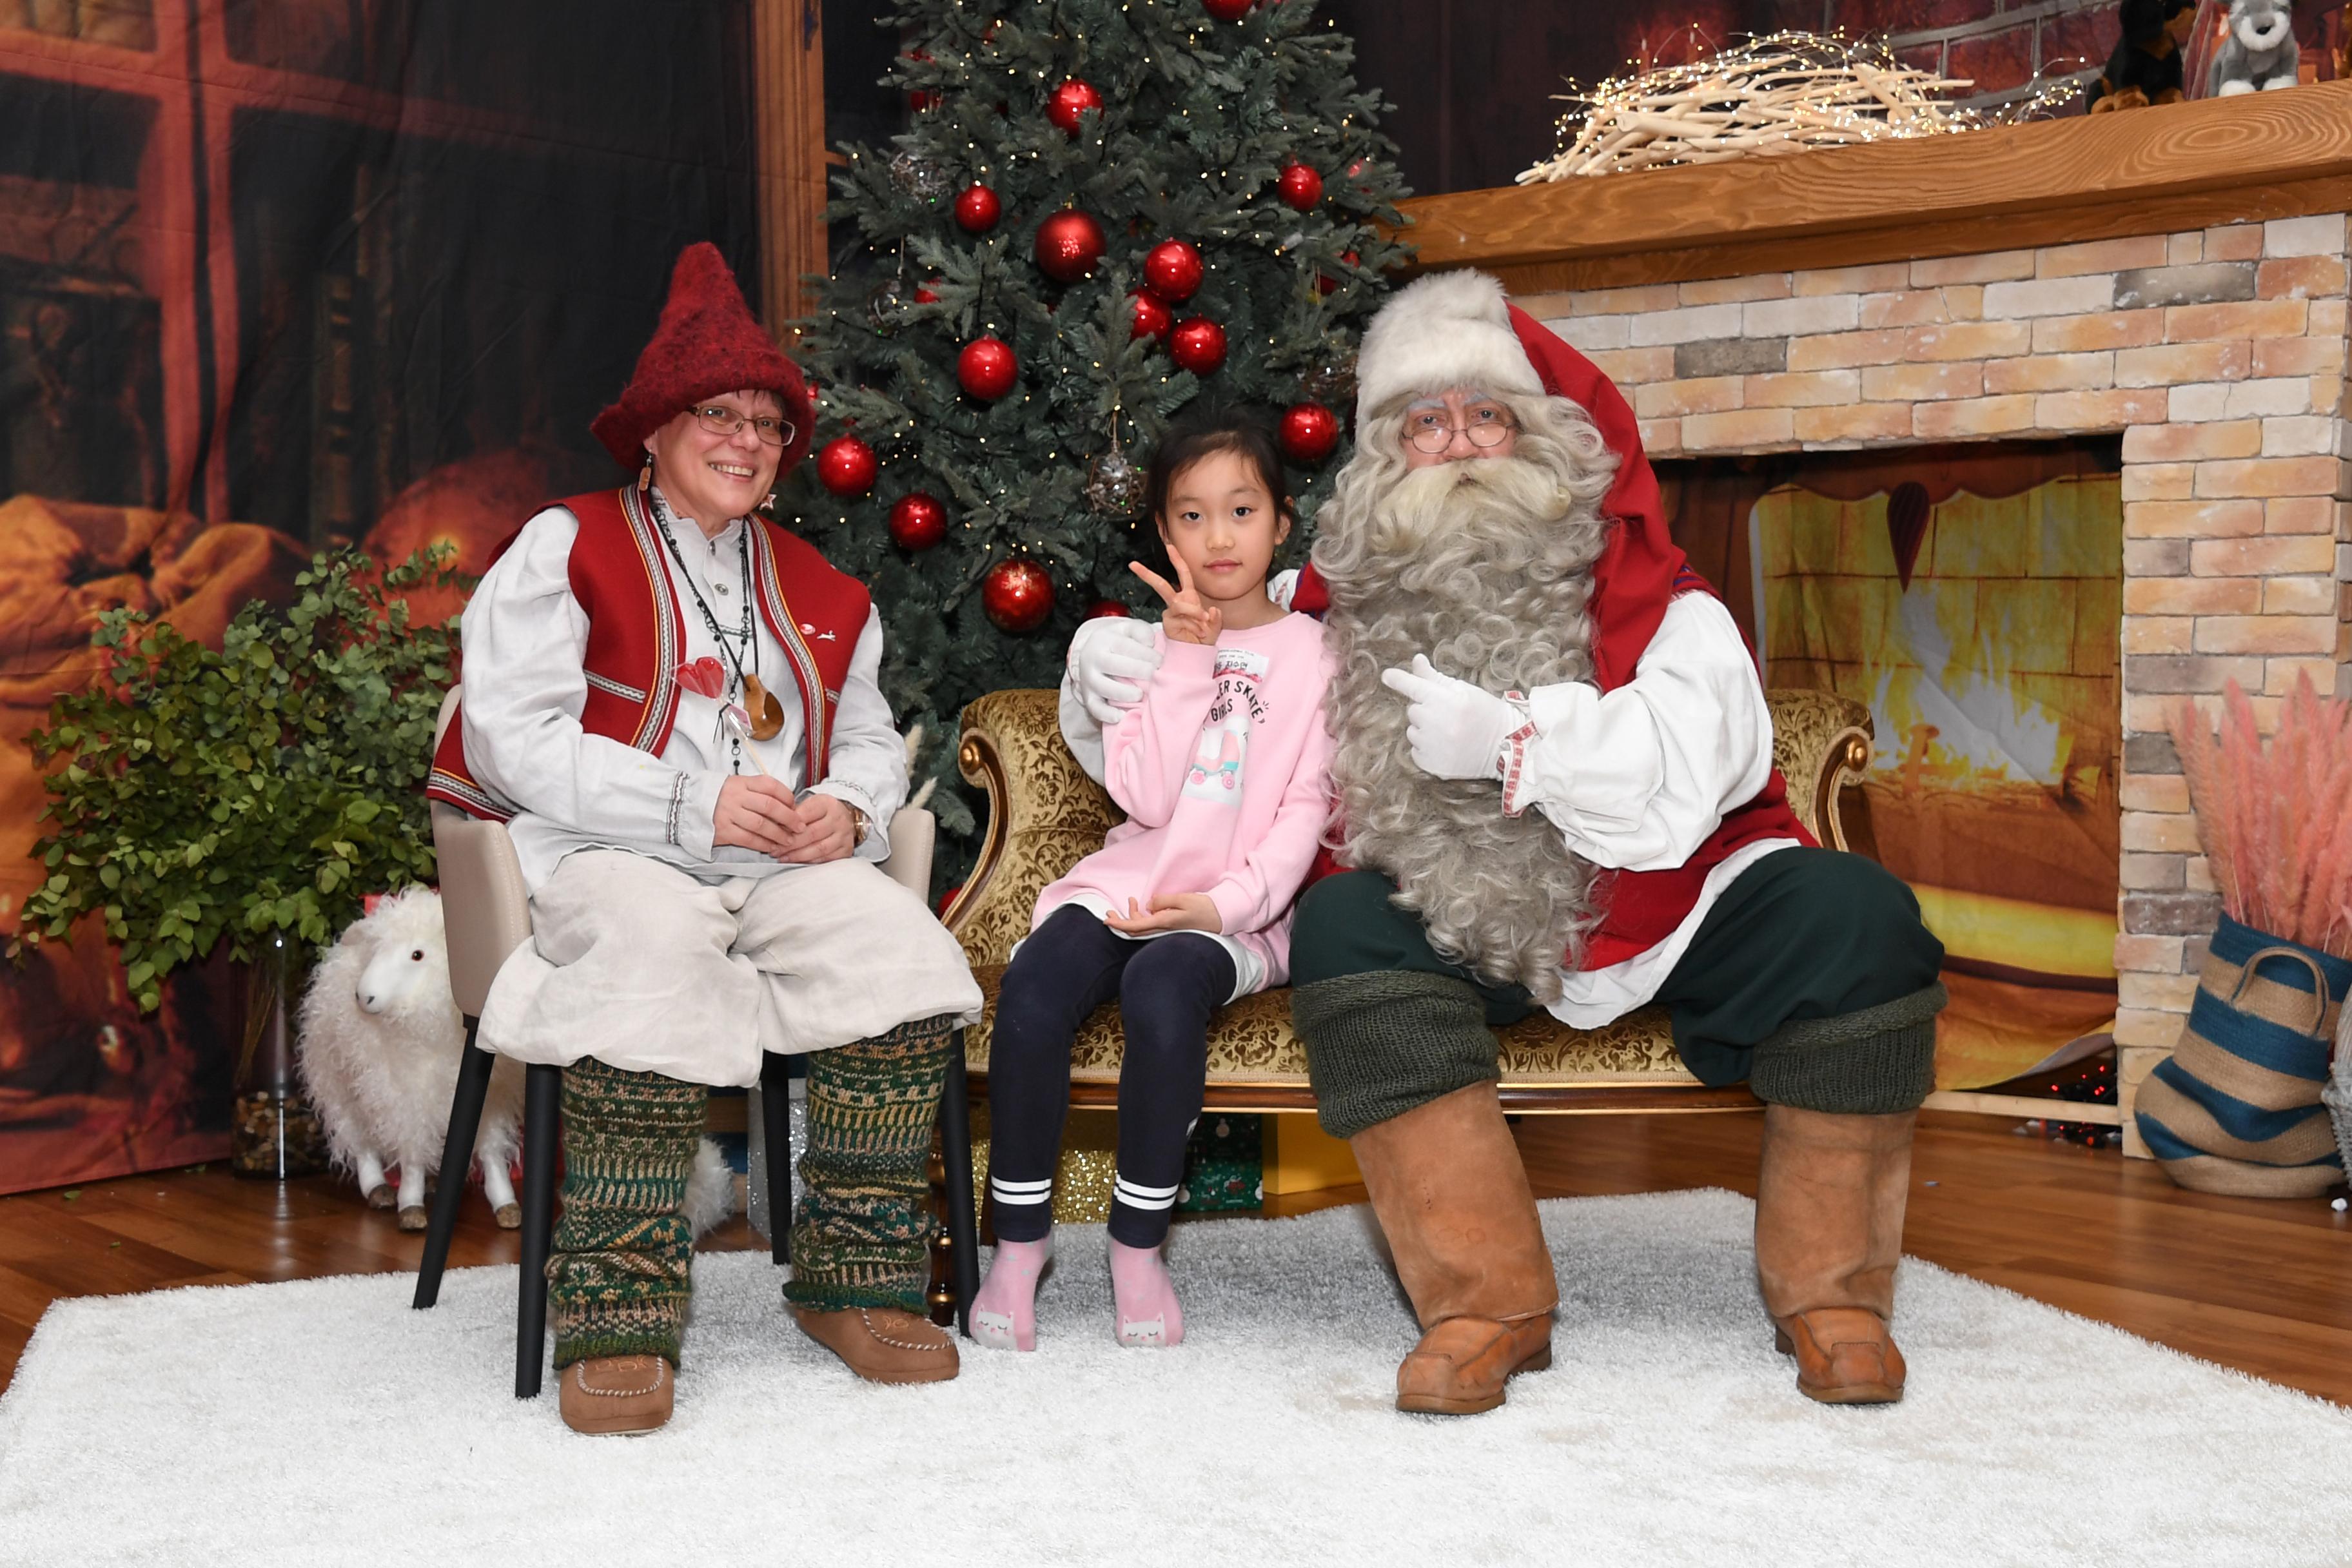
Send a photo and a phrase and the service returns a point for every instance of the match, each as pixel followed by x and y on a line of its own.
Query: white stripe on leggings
pixel 1137 1196
pixel 1021 1192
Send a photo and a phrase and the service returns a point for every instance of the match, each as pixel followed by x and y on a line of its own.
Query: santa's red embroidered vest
pixel 1644 908
pixel 637 637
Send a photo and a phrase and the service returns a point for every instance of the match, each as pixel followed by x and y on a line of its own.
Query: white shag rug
pixel 324 1422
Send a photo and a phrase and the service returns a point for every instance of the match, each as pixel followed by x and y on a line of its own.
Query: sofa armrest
pixel 1821 743
pixel 1044 815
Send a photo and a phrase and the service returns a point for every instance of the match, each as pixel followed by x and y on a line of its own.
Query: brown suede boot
pixel 1829 1231
pixel 883 1344
pixel 1447 1185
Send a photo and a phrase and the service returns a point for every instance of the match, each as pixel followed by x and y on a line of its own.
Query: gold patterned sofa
pixel 1045 814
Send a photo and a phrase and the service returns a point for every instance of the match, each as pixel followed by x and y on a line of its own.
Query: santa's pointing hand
pixel 1456 730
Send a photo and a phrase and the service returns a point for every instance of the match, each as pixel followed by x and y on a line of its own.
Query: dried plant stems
pixel 2276 821
pixel 1772 96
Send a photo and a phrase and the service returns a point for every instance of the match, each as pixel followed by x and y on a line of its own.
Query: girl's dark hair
pixel 1200 432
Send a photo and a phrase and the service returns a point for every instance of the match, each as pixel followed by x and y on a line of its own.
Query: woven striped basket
pixel 2237 1106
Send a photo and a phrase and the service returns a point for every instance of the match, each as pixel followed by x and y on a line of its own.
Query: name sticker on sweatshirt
pixel 1223 742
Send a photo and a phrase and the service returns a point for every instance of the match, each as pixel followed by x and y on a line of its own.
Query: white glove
pixel 1111 661
pixel 1456 729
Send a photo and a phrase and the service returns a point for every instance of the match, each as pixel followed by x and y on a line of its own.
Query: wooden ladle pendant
pixel 767 713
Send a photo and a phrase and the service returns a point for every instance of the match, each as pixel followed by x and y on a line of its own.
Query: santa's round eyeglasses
pixel 771 430
pixel 1485 424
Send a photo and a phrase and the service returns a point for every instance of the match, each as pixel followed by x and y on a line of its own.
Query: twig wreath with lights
pixel 1100 210
pixel 1770 97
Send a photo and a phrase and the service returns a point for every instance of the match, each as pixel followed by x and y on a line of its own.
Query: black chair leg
pixel 955 1153
pixel 465 1120
pixel 543 1119
pixel 776 1129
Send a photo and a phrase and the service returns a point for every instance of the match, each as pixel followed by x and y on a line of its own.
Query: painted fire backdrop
pixel 1972 597
pixel 277 274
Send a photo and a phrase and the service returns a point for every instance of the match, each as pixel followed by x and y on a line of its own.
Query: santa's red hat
pixel 1459 329
pixel 706 344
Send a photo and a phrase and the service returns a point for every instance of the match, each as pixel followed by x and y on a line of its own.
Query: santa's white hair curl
pixel 1485 565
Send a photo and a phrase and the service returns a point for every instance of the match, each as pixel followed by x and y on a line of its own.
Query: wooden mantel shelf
pixel 2145 171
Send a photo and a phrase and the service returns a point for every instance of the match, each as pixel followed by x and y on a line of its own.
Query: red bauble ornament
pixel 1309 432
pixel 920 99
pixel 1069 100
pixel 986 369
pixel 976 208
pixel 847 466
pixel 1172 268
pixel 1152 319
pixel 917 521
pixel 1068 245
pixel 1227 10
pixel 1018 595
pixel 1301 186
pixel 1325 283
pixel 927 291
pixel 1108 610
pixel 1198 345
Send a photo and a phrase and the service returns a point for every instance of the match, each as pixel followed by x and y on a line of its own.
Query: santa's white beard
pixel 1486 566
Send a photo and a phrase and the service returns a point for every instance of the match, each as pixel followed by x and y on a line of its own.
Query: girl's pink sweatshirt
pixel 1223 769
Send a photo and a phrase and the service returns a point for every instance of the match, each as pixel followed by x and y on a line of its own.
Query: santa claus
pixel 1554 763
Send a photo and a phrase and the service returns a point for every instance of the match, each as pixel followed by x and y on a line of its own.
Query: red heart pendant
pixel 706 677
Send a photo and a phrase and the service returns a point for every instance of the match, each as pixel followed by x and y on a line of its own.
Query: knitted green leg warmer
pixel 1380 1043
pixel 859 1241
pixel 619 1268
pixel 1875 1062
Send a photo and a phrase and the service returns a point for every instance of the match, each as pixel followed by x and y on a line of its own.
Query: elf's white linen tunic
pixel 653 950
pixel 1636 780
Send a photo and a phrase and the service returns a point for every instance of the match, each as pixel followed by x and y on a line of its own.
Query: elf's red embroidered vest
pixel 637 637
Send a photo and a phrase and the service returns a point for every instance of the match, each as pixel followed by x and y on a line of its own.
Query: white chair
pixel 487 909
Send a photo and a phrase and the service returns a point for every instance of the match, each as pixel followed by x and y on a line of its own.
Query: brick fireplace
pixel 2213 344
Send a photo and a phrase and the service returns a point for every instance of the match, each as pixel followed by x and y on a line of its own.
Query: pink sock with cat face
pixel 1004 1313
pixel 1144 1298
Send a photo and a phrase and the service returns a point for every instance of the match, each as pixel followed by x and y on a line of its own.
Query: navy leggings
pixel 1167 988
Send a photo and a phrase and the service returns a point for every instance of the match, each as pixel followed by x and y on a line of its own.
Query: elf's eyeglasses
pixel 771 430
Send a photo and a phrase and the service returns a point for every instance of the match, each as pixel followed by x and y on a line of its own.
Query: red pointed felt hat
pixel 708 343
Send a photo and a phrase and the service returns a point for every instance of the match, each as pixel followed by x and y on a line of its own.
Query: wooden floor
pixel 2266 1287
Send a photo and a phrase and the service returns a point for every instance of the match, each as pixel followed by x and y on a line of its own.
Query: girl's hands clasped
pixel 1169 911
pixel 1188 618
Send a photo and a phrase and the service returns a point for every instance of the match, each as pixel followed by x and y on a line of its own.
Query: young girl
pixel 1222 769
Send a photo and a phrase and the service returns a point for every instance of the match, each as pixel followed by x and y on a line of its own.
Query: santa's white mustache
pixel 1483 494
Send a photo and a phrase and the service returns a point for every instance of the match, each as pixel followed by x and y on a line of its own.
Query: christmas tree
pixel 1100 210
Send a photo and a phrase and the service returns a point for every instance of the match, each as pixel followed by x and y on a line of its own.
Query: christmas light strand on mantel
pixel 1770 97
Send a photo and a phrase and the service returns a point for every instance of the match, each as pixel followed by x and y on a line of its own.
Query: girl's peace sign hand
pixel 1188 618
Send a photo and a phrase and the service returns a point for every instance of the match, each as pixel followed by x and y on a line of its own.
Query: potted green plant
pixel 249 798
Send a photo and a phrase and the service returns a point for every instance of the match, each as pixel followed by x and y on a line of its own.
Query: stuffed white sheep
pixel 380 1043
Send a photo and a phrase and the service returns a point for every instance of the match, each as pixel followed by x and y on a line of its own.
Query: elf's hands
pixel 1188 618
pixel 1456 728
pixel 1169 911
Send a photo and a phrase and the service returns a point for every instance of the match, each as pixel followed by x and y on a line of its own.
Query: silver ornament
pixel 1333 383
pixel 1114 485
pixel 917 175
pixel 886 304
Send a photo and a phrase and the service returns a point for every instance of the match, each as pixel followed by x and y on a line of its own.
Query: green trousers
pixel 619 1268
pixel 1812 977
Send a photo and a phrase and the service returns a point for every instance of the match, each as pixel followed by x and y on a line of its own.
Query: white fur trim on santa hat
pixel 1447 329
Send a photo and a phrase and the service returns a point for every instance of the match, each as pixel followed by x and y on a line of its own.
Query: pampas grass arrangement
pixel 2276 820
